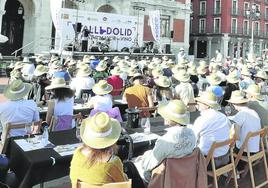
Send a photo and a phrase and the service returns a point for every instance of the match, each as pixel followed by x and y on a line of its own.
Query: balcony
pixel 235 12
pixel 203 13
pixel 217 11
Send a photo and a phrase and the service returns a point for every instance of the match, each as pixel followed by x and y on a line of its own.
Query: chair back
pixel 64 122
pixel 126 184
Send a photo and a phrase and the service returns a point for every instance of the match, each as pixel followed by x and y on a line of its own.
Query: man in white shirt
pixel 246 120
pixel 211 126
pixel 218 58
pixel 28 69
pixel 17 109
pixel 82 81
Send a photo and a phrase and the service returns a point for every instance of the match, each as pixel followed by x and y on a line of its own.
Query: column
pixel 209 47
pixel 195 46
pixel 238 47
pixel 231 49
pixel 2 12
pixel 244 50
pixel 261 47
pixel 225 41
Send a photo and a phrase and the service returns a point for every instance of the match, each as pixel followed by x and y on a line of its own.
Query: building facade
pixel 28 22
pixel 224 25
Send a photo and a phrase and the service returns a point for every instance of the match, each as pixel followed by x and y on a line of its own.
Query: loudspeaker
pixel 78 27
pixel 171 34
pixel 137 50
pixel 167 49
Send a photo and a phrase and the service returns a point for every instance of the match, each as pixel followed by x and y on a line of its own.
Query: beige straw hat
pixel 174 110
pixel 233 77
pixel 116 71
pixel 237 97
pixel 177 68
pixel 214 79
pixel 201 70
pixel 165 58
pixel 135 76
pixel 71 62
pixel 192 70
pixel 57 83
pixel 102 66
pixel 182 76
pixel 92 57
pixel 17 90
pixel 131 71
pixel 245 71
pixel 100 131
pixel 102 88
pixel 152 65
pixel 261 74
pixel 158 71
pixel 165 65
pixel 255 91
pixel 208 98
pixel 84 71
pixel 18 65
pixel 40 70
pixel 163 81
pixel 56 64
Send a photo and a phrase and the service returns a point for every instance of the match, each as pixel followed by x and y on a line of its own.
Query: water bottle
pixel 44 140
pixel 147 127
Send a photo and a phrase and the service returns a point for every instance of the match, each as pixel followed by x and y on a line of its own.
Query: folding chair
pixel 250 159
pixel 215 173
pixel 126 184
pixel 11 126
pixel 54 121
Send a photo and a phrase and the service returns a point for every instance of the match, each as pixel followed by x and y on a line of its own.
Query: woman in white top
pixel 62 104
pixel 103 102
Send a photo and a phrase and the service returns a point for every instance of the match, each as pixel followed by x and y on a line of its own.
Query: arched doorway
pixel 12 27
pixel 107 9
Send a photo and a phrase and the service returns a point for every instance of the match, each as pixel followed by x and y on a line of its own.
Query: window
pixel 246 27
pixel 217 6
pixel 217 25
pixel 203 7
pixel 202 25
pixel 234 25
pixel 165 26
pixel 256 28
pixel 266 29
pixel 266 13
pixel 234 7
pixel 246 7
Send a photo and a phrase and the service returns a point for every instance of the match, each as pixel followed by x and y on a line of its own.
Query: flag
pixel 154 20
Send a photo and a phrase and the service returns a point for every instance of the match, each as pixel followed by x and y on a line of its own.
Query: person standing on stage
pixel 84 38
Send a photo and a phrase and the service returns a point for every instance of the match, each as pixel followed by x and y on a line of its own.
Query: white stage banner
pixel 116 31
pixel 154 20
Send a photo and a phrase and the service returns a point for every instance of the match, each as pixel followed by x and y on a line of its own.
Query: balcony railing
pixel 235 12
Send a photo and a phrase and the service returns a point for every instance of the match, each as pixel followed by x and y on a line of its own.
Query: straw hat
pixel 233 77
pixel 182 76
pixel 174 110
pixel 177 68
pixel 208 98
pixel 17 90
pixel 152 65
pixel 181 49
pixel 26 60
pixel 163 81
pixel 261 74
pixel 255 91
pixel 214 79
pixel 39 59
pixel 237 97
pixel 100 131
pixel 92 57
pixel 135 76
pixel 54 58
pixel 56 64
pixel 203 63
pixel 81 64
pixel 131 71
pixel 165 65
pixel 134 64
pixel 84 71
pixel 102 88
pixel 201 70
pixel 116 71
pixel 71 62
pixel 157 72
pixel 57 83
pixel 165 58
pixel 245 71
pixel 106 58
pixel 40 70
pixel 18 65
pixel 192 70
pixel 102 66
pixel 116 59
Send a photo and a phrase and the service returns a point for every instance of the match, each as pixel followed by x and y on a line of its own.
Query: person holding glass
pixel 96 162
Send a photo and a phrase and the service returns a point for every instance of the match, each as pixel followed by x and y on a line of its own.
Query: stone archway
pixel 107 9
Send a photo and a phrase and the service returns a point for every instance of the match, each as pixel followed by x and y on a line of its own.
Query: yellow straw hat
pixel 102 66
pixel 245 71
pixel 261 74
pixel 233 77
pixel 40 70
pixel 57 83
pixel 174 110
pixel 116 71
pixel 182 76
pixel 17 90
pixel 208 98
pixel 100 131
pixel 202 70
pixel 255 91
pixel 177 68
pixel 18 65
pixel 131 71
pixel 84 71
pixel 158 71
pixel 102 88
pixel 214 79
pixel 163 81
pixel 237 97
pixel 192 70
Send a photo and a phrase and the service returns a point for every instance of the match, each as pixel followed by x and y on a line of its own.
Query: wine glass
pixel 28 130
pixel 85 97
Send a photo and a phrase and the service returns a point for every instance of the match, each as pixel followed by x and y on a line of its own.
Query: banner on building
pixel 154 20
pixel 116 31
